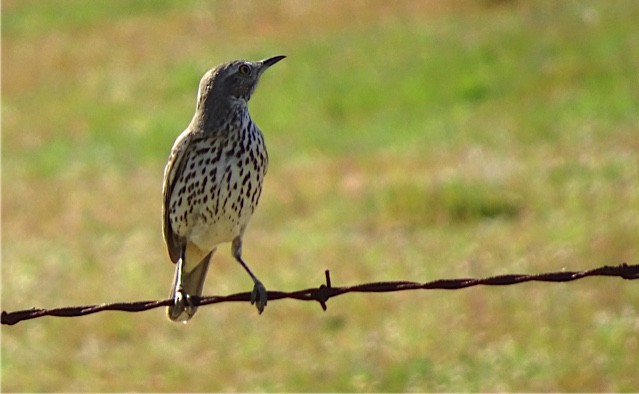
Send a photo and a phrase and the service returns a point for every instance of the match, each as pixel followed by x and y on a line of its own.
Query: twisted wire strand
pixel 326 291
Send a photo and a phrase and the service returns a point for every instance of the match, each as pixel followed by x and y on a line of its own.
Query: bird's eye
pixel 244 69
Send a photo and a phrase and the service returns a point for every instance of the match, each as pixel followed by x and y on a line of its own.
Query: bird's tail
pixel 191 283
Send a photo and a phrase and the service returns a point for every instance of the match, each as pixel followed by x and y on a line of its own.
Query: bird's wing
pixel 177 161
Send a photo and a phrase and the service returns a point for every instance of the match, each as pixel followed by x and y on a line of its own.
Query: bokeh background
pixel 408 141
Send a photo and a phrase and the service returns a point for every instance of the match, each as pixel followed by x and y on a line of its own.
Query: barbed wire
pixel 326 291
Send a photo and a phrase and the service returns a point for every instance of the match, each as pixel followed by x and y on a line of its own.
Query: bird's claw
pixel 183 302
pixel 259 296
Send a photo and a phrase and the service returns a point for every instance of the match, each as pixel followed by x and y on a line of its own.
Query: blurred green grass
pixel 409 140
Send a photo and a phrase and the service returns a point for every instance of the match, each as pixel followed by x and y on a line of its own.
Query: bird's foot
pixel 183 307
pixel 259 296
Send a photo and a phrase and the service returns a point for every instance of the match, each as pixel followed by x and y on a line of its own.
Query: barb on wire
pixel 326 291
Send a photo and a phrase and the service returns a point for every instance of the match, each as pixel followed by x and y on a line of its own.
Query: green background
pixel 408 141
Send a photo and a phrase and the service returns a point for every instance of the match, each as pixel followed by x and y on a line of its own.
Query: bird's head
pixel 234 80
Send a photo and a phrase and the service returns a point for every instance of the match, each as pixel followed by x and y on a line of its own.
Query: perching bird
pixel 213 181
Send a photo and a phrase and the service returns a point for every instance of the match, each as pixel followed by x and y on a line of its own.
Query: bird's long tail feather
pixel 189 283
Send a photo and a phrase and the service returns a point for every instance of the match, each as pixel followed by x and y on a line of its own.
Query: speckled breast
pixel 221 185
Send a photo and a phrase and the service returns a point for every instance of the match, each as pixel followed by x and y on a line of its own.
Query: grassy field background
pixel 408 141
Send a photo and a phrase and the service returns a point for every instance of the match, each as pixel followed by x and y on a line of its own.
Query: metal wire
pixel 326 291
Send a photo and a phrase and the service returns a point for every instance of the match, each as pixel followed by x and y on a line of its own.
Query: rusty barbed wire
pixel 326 291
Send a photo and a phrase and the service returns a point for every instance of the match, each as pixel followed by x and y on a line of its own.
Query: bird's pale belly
pixel 216 202
pixel 234 210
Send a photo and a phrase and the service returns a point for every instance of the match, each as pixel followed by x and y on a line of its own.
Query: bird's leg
pixel 259 296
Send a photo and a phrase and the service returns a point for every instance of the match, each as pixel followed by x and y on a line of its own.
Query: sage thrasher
pixel 213 181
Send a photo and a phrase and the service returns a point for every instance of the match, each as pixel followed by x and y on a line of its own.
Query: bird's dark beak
pixel 266 63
